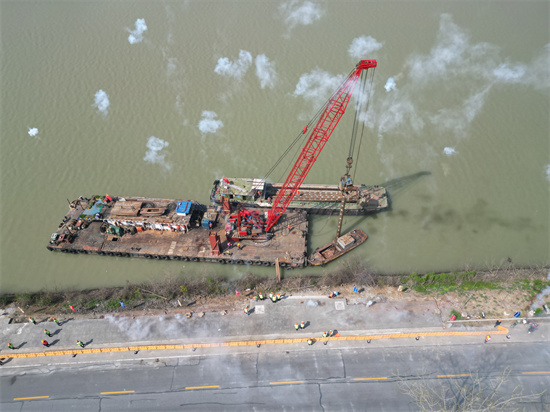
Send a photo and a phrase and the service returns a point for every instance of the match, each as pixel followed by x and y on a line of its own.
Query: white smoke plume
pixel 236 69
pixel 136 35
pixel 449 151
pixel 209 123
pixel 506 74
pixel 362 46
pixel 101 101
pixel 155 153
pixel 317 86
pixel 455 69
pixel 265 71
pixel 300 13
pixel 457 119
pixel 543 297
pixel 33 132
pixel 548 172
pixel 390 85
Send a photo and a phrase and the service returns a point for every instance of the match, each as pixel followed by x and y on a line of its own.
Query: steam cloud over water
pixel 300 13
pixel 236 69
pixel 390 85
pixel 33 131
pixel 363 46
pixel 466 70
pixel 548 174
pixel 317 86
pixel 136 35
pixel 155 153
pixel 209 123
pixel 265 71
pixel 101 101
pixel 449 151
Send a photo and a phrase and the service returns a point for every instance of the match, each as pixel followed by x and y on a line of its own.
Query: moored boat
pixel 337 247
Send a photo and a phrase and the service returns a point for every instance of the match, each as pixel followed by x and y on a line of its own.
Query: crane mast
pixel 320 134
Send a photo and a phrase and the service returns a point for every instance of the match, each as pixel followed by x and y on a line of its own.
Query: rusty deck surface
pixel 288 245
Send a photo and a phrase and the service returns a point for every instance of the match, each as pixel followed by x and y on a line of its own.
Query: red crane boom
pixel 328 120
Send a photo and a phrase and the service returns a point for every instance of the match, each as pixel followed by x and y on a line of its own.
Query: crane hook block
pixel 305 129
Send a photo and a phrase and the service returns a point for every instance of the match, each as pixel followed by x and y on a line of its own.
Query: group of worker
pixel 47 333
pixel 272 297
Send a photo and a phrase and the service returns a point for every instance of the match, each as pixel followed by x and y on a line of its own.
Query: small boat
pixel 337 247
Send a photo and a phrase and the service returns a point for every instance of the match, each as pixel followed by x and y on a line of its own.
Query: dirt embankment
pixel 496 293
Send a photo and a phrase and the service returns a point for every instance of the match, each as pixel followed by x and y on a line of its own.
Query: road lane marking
pixel 454 376
pixel 533 373
pixel 500 331
pixel 368 379
pixel 285 383
pixel 30 397
pixel 111 393
pixel 203 387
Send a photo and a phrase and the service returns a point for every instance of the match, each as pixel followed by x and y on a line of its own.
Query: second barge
pixel 317 199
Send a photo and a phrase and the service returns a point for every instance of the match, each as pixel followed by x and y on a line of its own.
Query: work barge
pixel 250 222
pixel 185 230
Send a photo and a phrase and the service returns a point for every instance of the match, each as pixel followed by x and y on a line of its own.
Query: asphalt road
pixel 293 377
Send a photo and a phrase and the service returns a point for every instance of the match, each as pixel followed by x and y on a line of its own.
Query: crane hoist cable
pixel 358 115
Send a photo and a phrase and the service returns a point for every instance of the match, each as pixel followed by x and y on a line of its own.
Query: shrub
pixel 457 314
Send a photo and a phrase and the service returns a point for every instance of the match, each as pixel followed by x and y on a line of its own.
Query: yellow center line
pixel 533 373
pixel 285 383
pixel 454 376
pixel 202 387
pixel 30 397
pixel 111 393
pixel 368 379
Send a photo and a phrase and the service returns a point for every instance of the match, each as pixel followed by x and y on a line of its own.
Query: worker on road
pixel 79 343
pixel 31 320
pixel 324 334
pixel 330 333
pixel 302 325
pixel 11 346
pixel 47 332
pixel 45 343
pixel 56 321
pixel 246 310
pixel 273 298
pixel 296 326
pixel 261 296
pixel 278 296
pixel 487 338
pixel 309 342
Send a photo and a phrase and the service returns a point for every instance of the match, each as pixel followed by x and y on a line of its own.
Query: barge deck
pixel 169 229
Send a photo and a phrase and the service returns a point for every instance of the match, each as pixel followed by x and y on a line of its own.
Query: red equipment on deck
pixel 328 120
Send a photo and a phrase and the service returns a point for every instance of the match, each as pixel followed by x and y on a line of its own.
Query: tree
pixel 473 392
